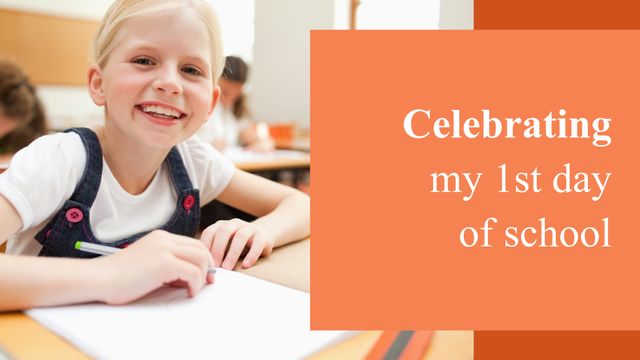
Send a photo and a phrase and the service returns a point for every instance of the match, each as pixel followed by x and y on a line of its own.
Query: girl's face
pixel 157 84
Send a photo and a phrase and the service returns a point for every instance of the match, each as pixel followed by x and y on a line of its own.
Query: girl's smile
pixel 161 114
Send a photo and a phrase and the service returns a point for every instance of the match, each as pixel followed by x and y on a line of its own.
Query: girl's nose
pixel 168 81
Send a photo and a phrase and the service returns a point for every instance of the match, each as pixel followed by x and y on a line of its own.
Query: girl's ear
pixel 94 77
pixel 214 99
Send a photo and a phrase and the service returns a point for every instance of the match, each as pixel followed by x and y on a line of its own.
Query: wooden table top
pixel 23 338
pixel 276 164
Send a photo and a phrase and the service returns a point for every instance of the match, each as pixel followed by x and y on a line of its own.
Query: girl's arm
pixel 283 217
pixel 156 259
pixel 10 221
pixel 32 282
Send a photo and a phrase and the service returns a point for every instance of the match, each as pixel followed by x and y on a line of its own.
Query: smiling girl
pixel 156 63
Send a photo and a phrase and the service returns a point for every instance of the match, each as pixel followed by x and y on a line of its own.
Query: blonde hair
pixel 121 10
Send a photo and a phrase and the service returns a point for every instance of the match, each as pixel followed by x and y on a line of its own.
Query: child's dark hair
pixel 19 103
pixel 235 69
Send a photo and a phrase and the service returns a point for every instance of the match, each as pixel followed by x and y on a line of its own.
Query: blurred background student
pixel 230 127
pixel 230 124
pixel 22 118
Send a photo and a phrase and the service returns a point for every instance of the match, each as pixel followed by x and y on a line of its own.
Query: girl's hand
pixel 156 259
pixel 237 234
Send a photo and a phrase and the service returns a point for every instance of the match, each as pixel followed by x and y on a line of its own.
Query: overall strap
pixel 87 189
pixel 178 172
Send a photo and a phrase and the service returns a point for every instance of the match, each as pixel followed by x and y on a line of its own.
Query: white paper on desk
pixel 238 317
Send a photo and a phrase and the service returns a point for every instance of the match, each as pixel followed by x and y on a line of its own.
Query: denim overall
pixel 71 223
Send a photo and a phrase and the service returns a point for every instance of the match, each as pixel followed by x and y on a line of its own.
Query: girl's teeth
pixel 157 110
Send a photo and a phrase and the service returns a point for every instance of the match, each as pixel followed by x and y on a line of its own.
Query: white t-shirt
pixel 223 125
pixel 43 176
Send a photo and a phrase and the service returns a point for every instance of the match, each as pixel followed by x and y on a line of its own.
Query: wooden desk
pixel 302 143
pixel 268 161
pixel 23 338
pixel 274 165
pixel 288 265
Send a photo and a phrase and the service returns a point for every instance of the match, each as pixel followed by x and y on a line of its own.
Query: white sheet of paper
pixel 237 317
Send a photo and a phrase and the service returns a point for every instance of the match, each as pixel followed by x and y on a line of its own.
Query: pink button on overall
pixel 74 215
pixel 188 203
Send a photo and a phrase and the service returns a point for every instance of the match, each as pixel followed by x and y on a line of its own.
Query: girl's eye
pixel 192 70
pixel 143 61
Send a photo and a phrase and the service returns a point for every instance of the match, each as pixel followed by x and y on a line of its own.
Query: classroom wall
pixel 66 106
pixel 280 73
pixel 456 14
pixel 69 106
pixel 279 83
pixel 341 14
pixel 81 9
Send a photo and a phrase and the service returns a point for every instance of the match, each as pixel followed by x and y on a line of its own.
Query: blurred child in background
pixel 22 118
pixel 230 124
